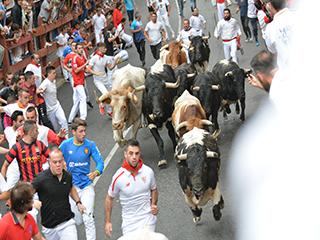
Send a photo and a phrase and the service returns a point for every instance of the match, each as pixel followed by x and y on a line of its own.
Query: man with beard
pixel 228 29
pixel 265 69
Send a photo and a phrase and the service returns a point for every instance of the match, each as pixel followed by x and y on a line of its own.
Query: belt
pixel 228 40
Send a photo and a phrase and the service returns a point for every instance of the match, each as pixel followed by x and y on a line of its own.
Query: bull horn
pixel 181 125
pixel 228 74
pixel 190 75
pixel 182 157
pixel 191 49
pixel 206 122
pixel 215 87
pixel 173 85
pixel 206 37
pixel 103 96
pixel 164 47
pixel 151 116
pixel 140 88
pixel 216 134
pixel 196 88
pixel 133 97
pixel 211 154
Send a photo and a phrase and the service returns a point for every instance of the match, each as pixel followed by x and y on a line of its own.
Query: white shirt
pixel 227 29
pixel 261 16
pixel 98 64
pixel 278 35
pixel 10 108
pixel 197 23
pixel 36 71
pixel 184 35
pixel 43 12
pixel 98 22
pixel 11 136
pixel 154 31
pixel 135 195
pixel 62 40
pixel 162 7
pixel 50 94
pixel 252 10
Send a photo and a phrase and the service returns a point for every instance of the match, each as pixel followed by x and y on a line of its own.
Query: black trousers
pixel 155 50
pixel 254 24
pixel 43 116
pixel 245 26
pixel 141 49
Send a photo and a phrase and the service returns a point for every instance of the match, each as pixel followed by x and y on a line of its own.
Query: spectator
pixel 130 10
pixel 35 67
pixel 16 13
pixel 243 8
pixel 27 17
pixel 45 11
pixel 138 37
pixel 155 34
pixel 117 14
pixel 18 223
pixel 110 38
pixel 252 15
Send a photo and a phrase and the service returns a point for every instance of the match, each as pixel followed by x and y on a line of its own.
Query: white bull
pixel 125 98
pixel 143 234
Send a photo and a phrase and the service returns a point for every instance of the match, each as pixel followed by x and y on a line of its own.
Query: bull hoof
pixel 242 118
pixel 217 212
pixel 162 163
pixel 196 219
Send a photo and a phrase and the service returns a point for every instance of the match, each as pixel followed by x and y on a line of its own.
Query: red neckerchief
pixel 100 54
pixel 34 63
pixel 134 171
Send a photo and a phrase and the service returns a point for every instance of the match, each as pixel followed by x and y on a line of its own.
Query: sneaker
pixel 90 104
pixel 257 43
pixel 250 39
pixel 247 40
pixel 172 35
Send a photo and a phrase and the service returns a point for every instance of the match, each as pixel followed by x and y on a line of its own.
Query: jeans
pixel 254 24
pixel 180 3
pixel 193 4
pixel 155 50
pixel 43 116
pixel 245 26
pixel 141 49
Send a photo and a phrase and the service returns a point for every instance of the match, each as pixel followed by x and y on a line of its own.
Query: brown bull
pixel 188 113
pixel 175 54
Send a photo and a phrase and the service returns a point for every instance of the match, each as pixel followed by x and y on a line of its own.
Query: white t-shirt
pixel 252 10
pixel 50 94
pixel 10 108
pixel 43 12
pixel 36 71
pixel 11 136
pixel 184 35
pixel 278 36
pixel 197 22
pixel 154 31
pixel 135 195
pixel 162 7
pixel 98 64
pixel 227 29
pixel 62 40
pixel 98 22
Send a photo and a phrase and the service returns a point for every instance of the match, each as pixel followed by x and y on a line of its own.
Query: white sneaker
pixel 251 39
pixel 172 35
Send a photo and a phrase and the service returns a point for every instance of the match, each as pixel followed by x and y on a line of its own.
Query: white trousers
pixel 58 119
pixel 64 231
pixel 230 50
pixel 144 233
pixel 13 175
pixel 99 36
pixel 79 103
pixel 164 19
pixel 87 198
pixel 65 72
pixel 220 8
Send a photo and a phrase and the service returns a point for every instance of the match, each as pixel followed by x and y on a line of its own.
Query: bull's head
pixel 176 55
pixel 187 126
pixel 199 49
pixel 198 161
pixel 119 101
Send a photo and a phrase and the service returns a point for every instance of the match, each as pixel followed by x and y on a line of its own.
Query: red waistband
pixel 228 40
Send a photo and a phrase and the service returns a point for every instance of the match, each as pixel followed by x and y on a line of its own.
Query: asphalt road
pixel 175 218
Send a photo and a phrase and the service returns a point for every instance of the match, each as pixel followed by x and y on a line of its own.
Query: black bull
pixel 198 166
pixel 158 104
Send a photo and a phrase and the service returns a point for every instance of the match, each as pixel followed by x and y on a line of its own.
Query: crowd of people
pixel 43 164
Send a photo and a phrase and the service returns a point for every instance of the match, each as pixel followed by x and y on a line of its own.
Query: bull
pixel 198 162
pixel 232 82
pixel 188 113
pixel 199 52
pixel 125 98
pixel 173 54
pixel 157 105
pixel 206 88
pixel 186 73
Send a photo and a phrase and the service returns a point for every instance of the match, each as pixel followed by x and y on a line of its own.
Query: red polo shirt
pixel 11 229
pixel 78 78
pixel 117 17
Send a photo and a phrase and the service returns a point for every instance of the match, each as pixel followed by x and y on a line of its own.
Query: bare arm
pixel 108 208
pixel 38 236
pixel 4 168
pixel 74 195
pixel 154 201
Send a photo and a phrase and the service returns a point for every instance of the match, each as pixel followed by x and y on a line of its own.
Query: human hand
pixel 92 175
pixel 154 209
pixel 108 229
pixel 37 204
pixel 253 80
pixel 81 208
pixel 2 138
pixel 62 133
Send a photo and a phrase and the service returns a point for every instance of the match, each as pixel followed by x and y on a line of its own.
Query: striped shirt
pixel 30 158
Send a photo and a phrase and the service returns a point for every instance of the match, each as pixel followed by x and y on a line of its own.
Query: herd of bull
pixel 186 98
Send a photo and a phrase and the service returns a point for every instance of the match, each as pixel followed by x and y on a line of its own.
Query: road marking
pixel 179 17
pixel 110 156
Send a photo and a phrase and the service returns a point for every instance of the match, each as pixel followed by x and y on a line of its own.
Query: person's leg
pixel 64 71
pixel 158 47
pixel 226 50
pixel 138 47
pixel 54 120
pixel 97 36
pixel 193 4
pixel 143 51
pixel 245 27
pixel 75 106
pixel 82 102
pixel 233 50
pixel 61 118
pixel 87 198
pixel 167 24
pixel 100 86
pixel 254 24
pixel 181 3
pixel 43 116
pixel 50 233
pixel 68 230
pixel 154 51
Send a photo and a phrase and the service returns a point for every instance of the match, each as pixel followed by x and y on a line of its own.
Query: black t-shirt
pixel 54 196
pixel 109 45
pixel 6 92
